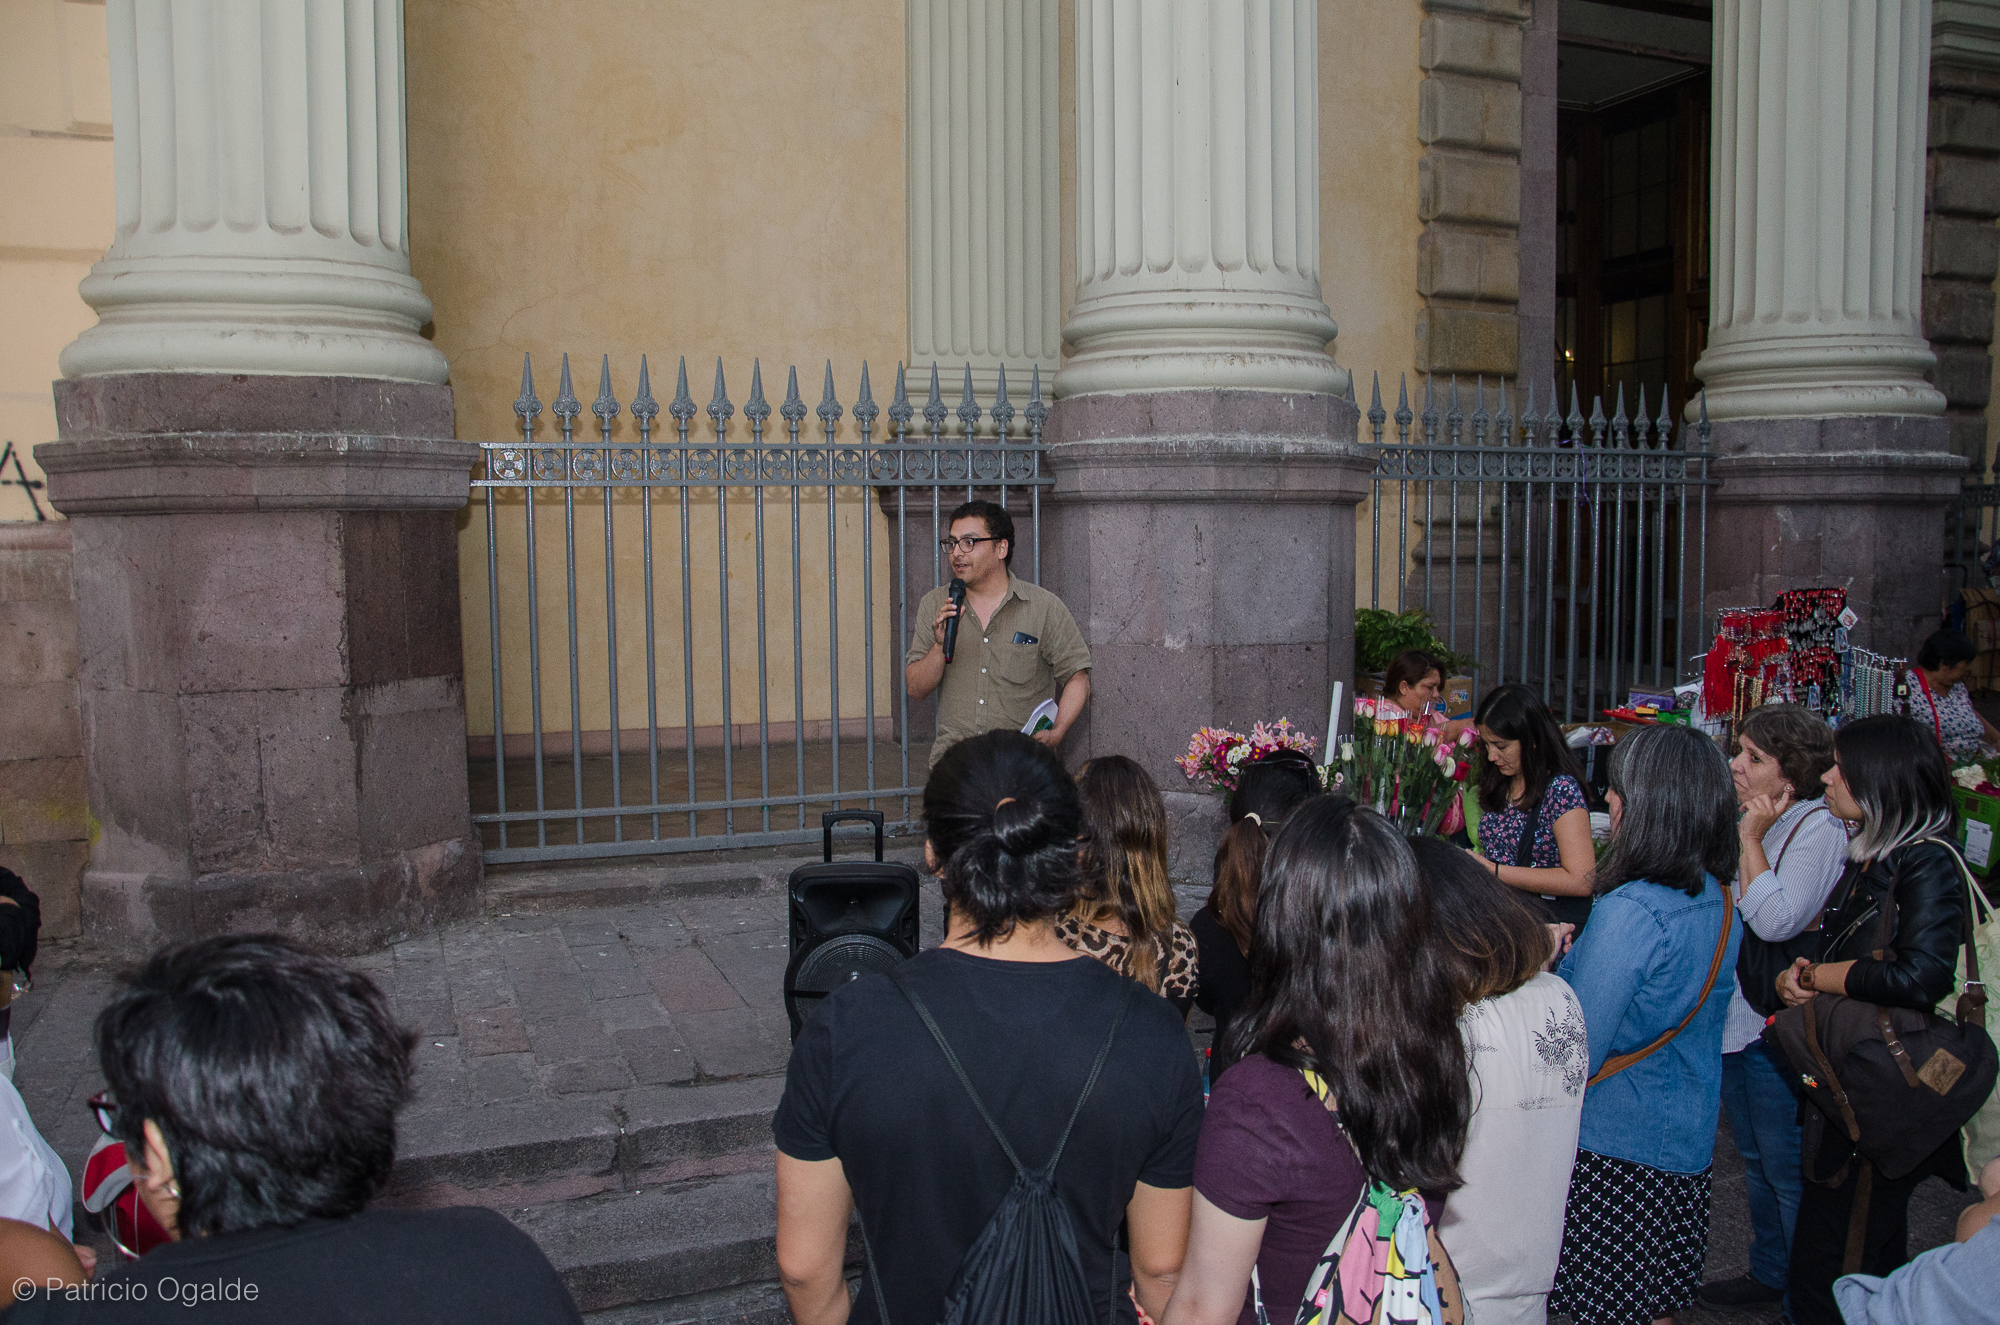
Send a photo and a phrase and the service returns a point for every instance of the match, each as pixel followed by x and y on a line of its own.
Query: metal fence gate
pixel 1567 552
pixel 678 509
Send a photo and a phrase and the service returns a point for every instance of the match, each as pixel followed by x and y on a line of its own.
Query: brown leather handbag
pixel 1898 1081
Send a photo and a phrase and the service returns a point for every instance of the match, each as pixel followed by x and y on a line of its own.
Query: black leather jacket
pixel 1914 970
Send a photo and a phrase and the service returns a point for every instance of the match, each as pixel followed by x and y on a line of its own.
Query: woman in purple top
pixel 1534 824
pixel 1350 983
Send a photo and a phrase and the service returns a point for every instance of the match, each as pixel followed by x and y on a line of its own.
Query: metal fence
pixel 674 510
pixel 1567 552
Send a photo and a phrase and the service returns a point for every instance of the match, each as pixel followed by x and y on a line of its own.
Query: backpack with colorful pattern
pixel 1384 1267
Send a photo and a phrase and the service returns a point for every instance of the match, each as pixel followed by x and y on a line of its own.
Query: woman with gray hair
pixel 1889 777
pixel 1793 851
pixel 1651 973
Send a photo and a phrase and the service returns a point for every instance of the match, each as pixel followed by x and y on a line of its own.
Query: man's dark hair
pixel 1004 821
pixel 1350 979
pixel 273 1073
pixel 1516 713
pixel 1678 821
pixel 998 523
pixel 1945 647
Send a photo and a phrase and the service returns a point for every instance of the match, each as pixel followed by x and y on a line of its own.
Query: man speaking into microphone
pixel 1014 644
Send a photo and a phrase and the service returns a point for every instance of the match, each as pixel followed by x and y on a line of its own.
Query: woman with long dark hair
pixel 1124 911
pixel 1534 822
pixel 1889 777
pixel 1524 1037
pixel 1353 1067
pixel 1652 973
pixel 1266 794
pixel 875 1118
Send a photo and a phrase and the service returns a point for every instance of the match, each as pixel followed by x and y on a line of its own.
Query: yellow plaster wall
pixel 1368 80
pixel 55 213
pixel 623 177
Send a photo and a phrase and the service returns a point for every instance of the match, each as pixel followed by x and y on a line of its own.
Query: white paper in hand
pixel 1042 719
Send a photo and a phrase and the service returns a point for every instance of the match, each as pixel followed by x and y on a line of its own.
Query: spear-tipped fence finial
pixel 1597 420
pixel 1642 425
pixel 1481 420
pixel 1037 412
pixel 682 406
pixel 1430 412
pixel 865 408
pixel 1621 423
pixel 719 407
pixel 1575 420
pixel 757 409
pixel 1003 409
pixel 934 410
pixel 605 407
pixel 566 406
pixel 1454 417
pixel 1503 422
pixel 968 408
pixel 794 407
pixel 829 404
pixel 1377 416
pixel 1663 427
pixel 1403 415
pixel 900 411
pixel 529 404
pixel 644 407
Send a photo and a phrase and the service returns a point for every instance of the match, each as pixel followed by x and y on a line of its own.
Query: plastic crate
pixel 1979 829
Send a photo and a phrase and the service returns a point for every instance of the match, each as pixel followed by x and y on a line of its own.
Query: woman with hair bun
pixel 876 1118
pixel 1266 794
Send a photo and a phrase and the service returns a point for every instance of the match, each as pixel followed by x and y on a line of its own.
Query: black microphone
pixel 956 591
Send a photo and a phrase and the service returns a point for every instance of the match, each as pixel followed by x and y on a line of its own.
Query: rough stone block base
pixel 1857 502
pixel 1205 543
pixel 270 676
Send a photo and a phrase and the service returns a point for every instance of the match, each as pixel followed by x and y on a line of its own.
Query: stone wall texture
pixel 1962 247
pixel 45 823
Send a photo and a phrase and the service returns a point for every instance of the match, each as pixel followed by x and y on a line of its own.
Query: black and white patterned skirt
pixel 1634 1238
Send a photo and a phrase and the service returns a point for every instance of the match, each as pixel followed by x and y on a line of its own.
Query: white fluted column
pixel 1197 126
pixel 262 209
pixel 1818 210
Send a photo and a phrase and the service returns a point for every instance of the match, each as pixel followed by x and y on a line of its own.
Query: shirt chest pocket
pixel 1016 664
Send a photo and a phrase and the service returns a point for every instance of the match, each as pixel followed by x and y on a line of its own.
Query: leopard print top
pixel 1180 969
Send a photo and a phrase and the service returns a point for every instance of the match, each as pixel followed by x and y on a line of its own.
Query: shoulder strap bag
pixel 1898 1081
pixel 1619 1062
pixel 1759 962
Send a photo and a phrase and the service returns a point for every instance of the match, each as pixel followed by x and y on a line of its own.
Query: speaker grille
pixel 843 958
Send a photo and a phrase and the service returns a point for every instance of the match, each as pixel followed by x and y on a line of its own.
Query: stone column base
pixel 1856 501
pixel 1204 541
pixel 271 680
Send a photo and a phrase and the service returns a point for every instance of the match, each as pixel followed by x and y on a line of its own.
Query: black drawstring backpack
pixel 1024 1267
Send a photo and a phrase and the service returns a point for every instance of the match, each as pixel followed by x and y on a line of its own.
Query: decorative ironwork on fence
pixel 1578 527
pixel 621 797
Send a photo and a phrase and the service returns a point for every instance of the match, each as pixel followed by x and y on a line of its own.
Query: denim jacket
pixel 1636 969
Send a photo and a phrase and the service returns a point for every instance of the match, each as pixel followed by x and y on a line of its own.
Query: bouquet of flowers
pixel 1216 755
pixel 1980 777
pixel 1401 765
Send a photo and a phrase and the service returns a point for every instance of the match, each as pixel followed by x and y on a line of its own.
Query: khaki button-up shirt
pixel 1027 653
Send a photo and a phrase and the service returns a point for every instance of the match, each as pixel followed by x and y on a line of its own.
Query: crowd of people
pixel 1445 1084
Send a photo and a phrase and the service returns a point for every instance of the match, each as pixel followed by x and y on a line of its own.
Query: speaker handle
pixel 832 817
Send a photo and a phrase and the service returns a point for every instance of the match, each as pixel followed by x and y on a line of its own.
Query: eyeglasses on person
pixel 965 544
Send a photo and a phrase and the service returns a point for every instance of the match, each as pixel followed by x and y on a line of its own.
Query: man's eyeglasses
pixel 963 544
pixel 104 1109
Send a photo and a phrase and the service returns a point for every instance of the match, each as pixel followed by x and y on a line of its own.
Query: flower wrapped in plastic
pixel 1216 756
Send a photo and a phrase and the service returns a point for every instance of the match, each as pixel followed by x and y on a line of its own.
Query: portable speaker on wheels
pixel 848 919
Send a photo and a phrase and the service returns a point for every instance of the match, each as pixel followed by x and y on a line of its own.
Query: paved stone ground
pixel 585 983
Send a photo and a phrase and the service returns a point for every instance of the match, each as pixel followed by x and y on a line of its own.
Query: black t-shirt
pixel 1225 983
pixel 442 1267
pixel 868 1085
